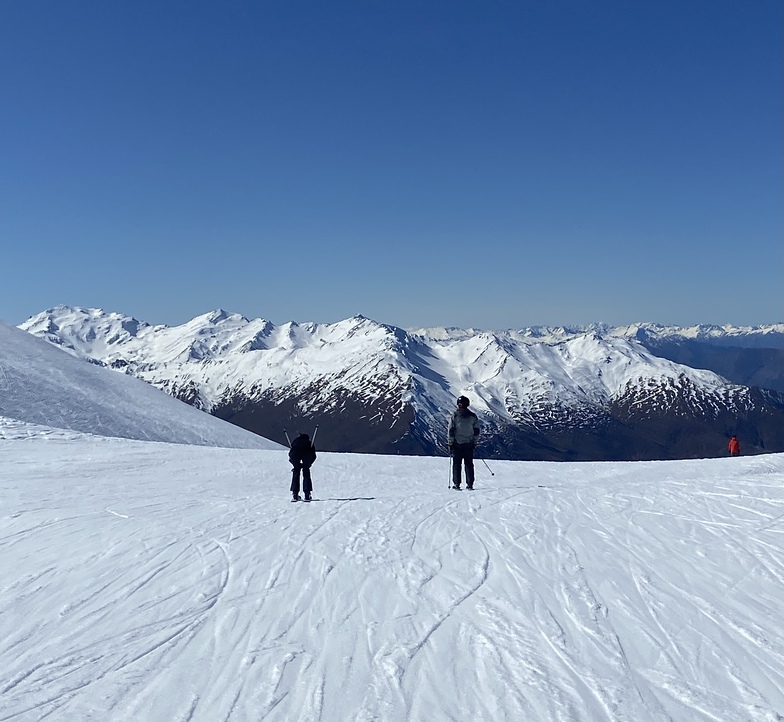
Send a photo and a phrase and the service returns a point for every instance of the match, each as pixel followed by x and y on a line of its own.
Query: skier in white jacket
pixel 463 434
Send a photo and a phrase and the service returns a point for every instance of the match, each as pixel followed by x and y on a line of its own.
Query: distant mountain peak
pixel 220 315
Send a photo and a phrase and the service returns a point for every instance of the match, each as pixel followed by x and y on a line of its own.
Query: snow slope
pixel 40 384
pixel 157 582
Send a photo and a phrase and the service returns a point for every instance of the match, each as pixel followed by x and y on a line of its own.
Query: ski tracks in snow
pixel 555 592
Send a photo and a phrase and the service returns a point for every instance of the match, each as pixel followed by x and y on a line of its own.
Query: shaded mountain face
pixel 594 393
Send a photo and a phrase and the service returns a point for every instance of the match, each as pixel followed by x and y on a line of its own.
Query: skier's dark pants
pixel 463 453
pixel 307 484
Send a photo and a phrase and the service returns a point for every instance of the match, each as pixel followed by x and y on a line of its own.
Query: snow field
pixel 149 581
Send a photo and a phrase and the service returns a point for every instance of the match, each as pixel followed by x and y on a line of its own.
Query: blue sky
pixel 489 164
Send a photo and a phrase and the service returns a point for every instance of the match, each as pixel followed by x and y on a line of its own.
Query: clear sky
pixel 489 164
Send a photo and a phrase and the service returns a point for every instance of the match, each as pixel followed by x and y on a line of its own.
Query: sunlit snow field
pixel 151 581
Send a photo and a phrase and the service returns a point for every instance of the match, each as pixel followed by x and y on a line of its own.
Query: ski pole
pixel 488 468
pixel 449 478
pixel 286 434
pixel 313 438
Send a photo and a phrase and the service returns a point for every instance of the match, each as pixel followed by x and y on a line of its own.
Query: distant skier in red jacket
pixel 734 446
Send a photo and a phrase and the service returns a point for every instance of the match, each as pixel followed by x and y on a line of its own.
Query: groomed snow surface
pixel 151 581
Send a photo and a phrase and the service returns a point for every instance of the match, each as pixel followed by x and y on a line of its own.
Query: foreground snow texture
pixel 148 581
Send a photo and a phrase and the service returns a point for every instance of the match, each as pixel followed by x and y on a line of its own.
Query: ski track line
pixel 298 550
pixel 724 541
pixel 132 587
pixel 542 619
pixel 579 592
pixel 448 622
pixel 389 690
pixel 593 627
pixel 234 673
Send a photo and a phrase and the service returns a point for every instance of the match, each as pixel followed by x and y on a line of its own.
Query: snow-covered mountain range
pixel 762 336
pixel 543 393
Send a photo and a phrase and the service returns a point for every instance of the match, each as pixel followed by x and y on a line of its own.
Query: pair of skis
pixel 312 438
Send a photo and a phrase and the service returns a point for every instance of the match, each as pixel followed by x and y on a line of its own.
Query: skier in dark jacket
pixel 301 455
pixel 463 434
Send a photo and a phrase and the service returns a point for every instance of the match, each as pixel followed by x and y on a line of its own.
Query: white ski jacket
pixel 464 427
